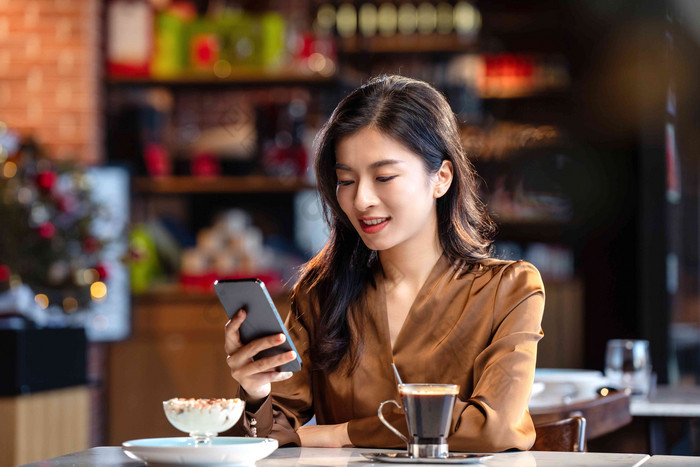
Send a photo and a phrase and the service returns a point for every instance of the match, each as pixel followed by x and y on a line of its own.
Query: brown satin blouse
pixel 478 329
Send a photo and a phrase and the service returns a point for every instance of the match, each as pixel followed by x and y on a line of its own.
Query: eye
pixel 345 182
pixel 386 179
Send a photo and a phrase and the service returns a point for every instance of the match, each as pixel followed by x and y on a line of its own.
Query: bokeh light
pixel 70 304
pixel 100 323
pixel 317 62
pixel 467 19
pixel 38 215
pixel 427 18
pixel 329 68
pixel 98 291
pixel 15 281
pixel 90 276
pixel 9 169
pixel 222 68
pixel 326 16
pixel 79 277
pixel 25 195
pixel 47 230
pixel 42 300
pixel 407 19
pixel 444 18
pixel 368 19
pixel 387 18
pixel 346 20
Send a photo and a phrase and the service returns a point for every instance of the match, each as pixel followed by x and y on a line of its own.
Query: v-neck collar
pixel 417 306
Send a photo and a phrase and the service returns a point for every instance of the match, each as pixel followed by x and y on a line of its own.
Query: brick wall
pixel 49 74
pixel 49 87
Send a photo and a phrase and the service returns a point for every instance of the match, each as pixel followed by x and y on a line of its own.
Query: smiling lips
pixel 373 224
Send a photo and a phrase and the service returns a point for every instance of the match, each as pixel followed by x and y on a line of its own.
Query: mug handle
pixel 385 422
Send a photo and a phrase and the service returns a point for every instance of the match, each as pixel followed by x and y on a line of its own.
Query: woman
pixel 405 277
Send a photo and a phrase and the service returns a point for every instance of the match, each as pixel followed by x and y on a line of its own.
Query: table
pixel 114 457
pixel 663 461
pixel 667 402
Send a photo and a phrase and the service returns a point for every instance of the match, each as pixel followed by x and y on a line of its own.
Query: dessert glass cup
pixel 203 419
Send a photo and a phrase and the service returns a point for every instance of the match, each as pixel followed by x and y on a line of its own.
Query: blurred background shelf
pixel 174 292
pixel 224 184
pixel 417 43
pixel 259 77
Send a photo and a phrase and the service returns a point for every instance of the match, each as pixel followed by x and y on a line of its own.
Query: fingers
pixel 232 339
pixel 253 380
pixel 235 323
pixel 251 349
pixel 270 363
pixel 271 377
pixel 245 365
pixel 280 375
pixel 259 385
pixel 260 371
pixel 254 376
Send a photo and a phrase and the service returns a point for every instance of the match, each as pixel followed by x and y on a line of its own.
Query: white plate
pixel 404 458
pixel 223 450
pixel 565 386
pixel 548 375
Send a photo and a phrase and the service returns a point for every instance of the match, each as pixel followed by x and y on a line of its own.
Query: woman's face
pixel 385 191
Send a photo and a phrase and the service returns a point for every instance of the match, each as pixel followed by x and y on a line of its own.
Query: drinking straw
pixel 396 373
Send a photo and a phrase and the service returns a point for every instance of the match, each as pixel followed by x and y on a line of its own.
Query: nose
pixel 365 196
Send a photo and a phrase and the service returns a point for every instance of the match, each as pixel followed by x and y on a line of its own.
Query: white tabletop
pixel 659 461
pixel 668 402
pixel 344 457
pixel 113 456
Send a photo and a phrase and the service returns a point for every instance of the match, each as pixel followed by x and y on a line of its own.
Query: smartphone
pixel 262 317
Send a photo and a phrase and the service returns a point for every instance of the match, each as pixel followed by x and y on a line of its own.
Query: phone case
pixel 262 316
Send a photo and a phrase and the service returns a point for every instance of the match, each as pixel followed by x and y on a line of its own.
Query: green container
pixel 239 44
pixel 170 57
pixel 204 45
pixel 272 27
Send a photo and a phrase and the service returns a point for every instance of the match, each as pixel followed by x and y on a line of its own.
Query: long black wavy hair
pixel 416 115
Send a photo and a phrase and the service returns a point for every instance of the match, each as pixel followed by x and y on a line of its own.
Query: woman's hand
pixel 254 376
pixel 325 436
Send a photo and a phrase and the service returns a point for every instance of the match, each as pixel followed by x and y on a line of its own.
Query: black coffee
pixel 428 415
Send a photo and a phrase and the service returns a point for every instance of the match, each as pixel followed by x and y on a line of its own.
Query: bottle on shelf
pixel 178 41
pixel 204 45
pixel 170 57
pixel 129 37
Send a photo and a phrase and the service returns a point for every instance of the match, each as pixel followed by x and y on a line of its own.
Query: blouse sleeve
pixel 290 404
pixel 495 418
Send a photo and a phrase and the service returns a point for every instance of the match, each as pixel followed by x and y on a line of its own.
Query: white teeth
pixel 375 221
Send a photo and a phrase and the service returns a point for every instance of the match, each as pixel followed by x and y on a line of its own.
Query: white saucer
pixel 223 450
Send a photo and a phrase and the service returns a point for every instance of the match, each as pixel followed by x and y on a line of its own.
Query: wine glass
pixel 203 419
pixel 628 365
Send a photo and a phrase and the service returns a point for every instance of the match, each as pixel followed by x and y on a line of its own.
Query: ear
pixel 443 179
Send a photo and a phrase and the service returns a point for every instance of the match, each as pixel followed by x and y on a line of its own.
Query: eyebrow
pixel 373 165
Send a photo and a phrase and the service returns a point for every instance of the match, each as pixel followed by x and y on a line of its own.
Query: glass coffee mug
pixel 428 409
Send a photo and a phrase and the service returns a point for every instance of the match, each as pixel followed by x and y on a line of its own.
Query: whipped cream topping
pixel 208 416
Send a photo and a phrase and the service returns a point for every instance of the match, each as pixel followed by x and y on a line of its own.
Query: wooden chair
pixel 563 435
pixel 602 414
